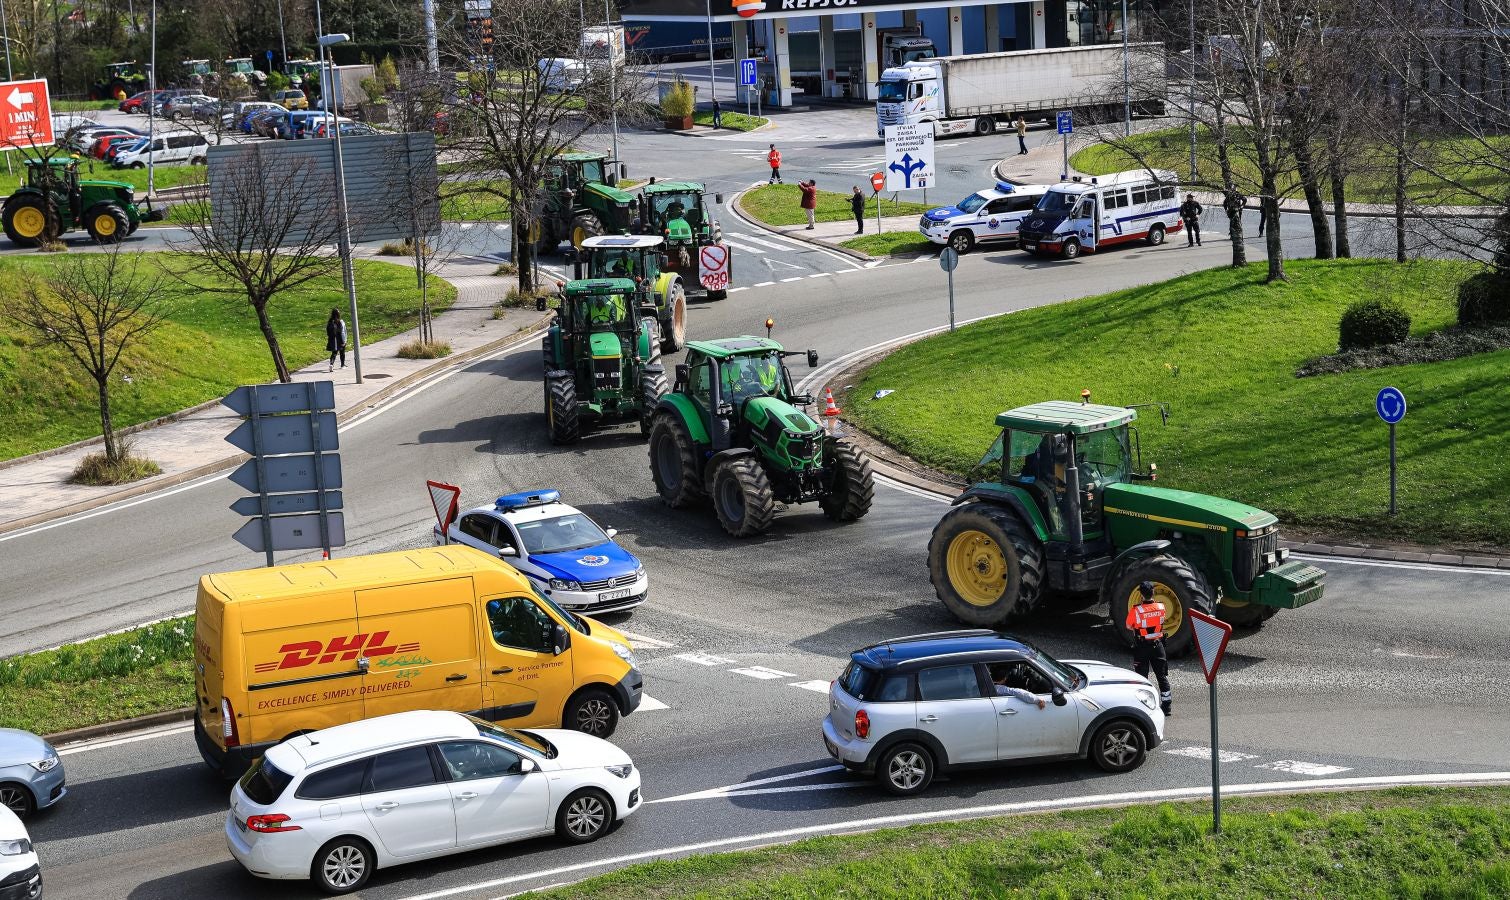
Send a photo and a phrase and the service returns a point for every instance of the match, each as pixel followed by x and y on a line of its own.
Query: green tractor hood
pixel 609 193
pixel 791 437
pixel 605 345
pixel 678 230
pixel 114 185
pixel 1179 510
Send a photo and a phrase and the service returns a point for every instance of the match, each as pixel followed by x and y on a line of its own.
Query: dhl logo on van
pixel 305 653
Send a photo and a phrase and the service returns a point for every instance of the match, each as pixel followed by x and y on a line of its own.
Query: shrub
pixel 277 81
pixel 679 100
pixel 1484 299
pixel 418 349
pixel 506 269
pixel 1438 346
pixel 404 247
pixel 1373 323
pixel 96 469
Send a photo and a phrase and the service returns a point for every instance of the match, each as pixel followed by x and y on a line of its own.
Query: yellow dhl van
pixel 283 650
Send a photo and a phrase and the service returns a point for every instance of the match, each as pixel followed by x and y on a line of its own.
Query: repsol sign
pixel 817 4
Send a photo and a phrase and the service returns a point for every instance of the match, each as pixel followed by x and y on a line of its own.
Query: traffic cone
pixel 829 408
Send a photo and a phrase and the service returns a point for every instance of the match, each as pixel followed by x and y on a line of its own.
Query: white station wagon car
pixel 909 708
pixel 334 805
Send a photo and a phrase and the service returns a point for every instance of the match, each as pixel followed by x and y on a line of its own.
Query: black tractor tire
pixel 742 497
pixel 14 207
pixel 652 327
pixel 718 295
pixel 652 388
pixel 673 462
pixel 132 228
pixel 674 318
pixel 1177 584
pixel 854 485
pixel 561 410
pixel 584 226
pixel 1119 746
pixel 107 223
pixel 1002 558
pixel 1248 615
pixel 548 241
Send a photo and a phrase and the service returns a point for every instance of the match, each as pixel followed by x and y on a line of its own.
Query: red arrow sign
pixel 25 114
pixel 877 181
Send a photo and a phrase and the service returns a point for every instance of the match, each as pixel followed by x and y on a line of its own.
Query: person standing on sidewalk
pixel 718 114
pixel 1190 214
pixel 857 206
pixel 1022 134
pixel 810 201
pixel 774 158
pixel 335 339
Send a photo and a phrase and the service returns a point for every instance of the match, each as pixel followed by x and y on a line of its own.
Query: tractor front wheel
pixel 652 388
pixel 1176 584
pixel 985 565
pixel 742 497
pixel 673 462
pixel 25 220
pixel 107 223
pixel 561 410
pixel 583 227
pixel 853 487
pixel 674 318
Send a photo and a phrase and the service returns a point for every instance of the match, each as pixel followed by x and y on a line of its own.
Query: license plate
pixel 832 750
pixel 1029 245
pixel 619 594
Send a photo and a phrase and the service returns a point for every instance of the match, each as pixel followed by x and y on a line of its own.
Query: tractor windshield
pixel 751 376
pixel 1105 457
pixel 592 170
pixel 615 263
pixel 603 312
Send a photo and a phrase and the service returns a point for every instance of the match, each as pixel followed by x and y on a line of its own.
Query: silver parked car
pixel 31 774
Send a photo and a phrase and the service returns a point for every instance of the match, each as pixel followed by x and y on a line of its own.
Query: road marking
pixel 914 491
pixel 785 280
pixel 817 687
pixel 762 242
pixel 820 274
pixel 967 812
pixel 763 673
pixel 704 659
pixel 128 739
pixel 1381 564
pixel 1199 752
pixel 650 704
pixel 1296 767
pixel 745 785
pixel 651 643
pixel 738 289
pixel 763 284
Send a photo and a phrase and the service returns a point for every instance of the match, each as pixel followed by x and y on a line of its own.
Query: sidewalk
pixel 36 488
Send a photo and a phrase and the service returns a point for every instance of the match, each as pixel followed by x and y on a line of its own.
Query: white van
pixel 561 75
pixel 174 148
pixel 1086 215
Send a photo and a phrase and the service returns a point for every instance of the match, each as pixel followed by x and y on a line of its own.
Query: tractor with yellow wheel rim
pixel 55 200
pixel 1059 505
pixel 641 258
pixel 582 200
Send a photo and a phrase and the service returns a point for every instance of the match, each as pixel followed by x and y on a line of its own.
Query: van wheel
pixel 197 161
pixel 592 712
pixel 961 241
pixel 342 866
pixel 1071 249
pixel 584 817
pixel 1156 235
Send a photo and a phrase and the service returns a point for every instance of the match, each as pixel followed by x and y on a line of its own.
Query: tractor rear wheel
pixel 561 410
pixel 674 321
pixel 652 388
pixel 985 565
pixel 583 227
pixel 742 497
pixel 1176 584
pixel 107 223
pixel 673 462
pixel 25 220
pixel 853 488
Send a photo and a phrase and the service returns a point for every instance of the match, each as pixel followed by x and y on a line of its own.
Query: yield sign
pixel 25 114
pixel 1211 636
pixel 443 497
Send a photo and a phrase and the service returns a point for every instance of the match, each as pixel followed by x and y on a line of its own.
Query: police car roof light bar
pixel 526 499
pixel 1006 187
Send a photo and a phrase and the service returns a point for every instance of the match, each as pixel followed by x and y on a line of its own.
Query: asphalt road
pixel 1399 670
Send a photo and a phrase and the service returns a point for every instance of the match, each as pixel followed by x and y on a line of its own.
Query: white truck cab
pixel 912 93
pixel 1084 215
pixel 990 215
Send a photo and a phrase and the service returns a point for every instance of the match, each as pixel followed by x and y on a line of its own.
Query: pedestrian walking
pixel 1190 214
pixel 718 114
pixel 774 158
pixel 335 339
pixel 1146 621
pixel 810 201
pixel 1022 134
pixel 857 206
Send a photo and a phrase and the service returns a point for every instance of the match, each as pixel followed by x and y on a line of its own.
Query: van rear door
pixel 421 647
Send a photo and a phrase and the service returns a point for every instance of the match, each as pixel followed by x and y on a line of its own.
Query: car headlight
pixel 624 653
pixel 558 584
pixel 621 771
pixel 15 847
pixel 639 573
pixel 1148 699
pixel 46 763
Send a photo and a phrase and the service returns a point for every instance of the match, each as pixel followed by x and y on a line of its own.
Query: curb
pixel 382 395
pixel 733 205
pixel 106 729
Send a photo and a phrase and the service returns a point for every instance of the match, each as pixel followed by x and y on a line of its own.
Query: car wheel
pixel 1119 746
pixel 1071 249
pixel 18 800
pixel 962 241
pixel 906 769
pixel 343 866
pixel 584 817
pixel 592 712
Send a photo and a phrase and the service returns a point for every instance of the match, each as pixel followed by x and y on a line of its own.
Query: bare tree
pixel 269 232
pixel 96 307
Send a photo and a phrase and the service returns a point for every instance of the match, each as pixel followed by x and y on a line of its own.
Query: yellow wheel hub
pixel 29 222
pixel 1174 610
pixel 977 568
pixel 104 225
pixel 535 232
pixel 578 235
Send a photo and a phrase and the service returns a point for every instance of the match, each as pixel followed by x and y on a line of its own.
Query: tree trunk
pixel 1337 174
pixel 1310 182
pixel 107 428
pixel 523 260
pixel 1272 245
pixel 272 340
pixel 1400 203
pixel 1232 202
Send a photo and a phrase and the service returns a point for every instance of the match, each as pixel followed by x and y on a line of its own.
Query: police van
pixel 1086 215
pixel 986 216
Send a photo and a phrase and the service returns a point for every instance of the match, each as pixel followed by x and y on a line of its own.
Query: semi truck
pixel 977 94
pixel 667 41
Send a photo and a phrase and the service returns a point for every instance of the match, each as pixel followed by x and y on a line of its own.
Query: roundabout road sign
pixel 1390 404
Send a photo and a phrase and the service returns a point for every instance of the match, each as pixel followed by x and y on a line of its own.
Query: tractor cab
pixel 677 211
pixel 582 200
pixel 637 257
pixel 600 305
pixel 55 173
pixel 299 69
pixel 745 389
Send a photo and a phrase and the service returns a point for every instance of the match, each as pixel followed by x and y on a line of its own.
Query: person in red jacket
pixel 774 158
pixel 809 201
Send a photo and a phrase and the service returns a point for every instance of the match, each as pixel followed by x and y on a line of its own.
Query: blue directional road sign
pixel 1390 404
pixel 909 156
pixel 1063 122
pixel 747 72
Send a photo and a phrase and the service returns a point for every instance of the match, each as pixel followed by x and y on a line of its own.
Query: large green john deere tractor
pixel 602 361
pixel 581 200
pixel 641 258
pixel 1055 509
pixel 731 431
pixel 54 200
pixel 678 211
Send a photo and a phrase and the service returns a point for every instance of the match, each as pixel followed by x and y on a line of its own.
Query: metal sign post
pixel 1211 637
pixel 948 261
pixel 1066 125
pixel 747 79
pixel 877 184
pixel 1390 405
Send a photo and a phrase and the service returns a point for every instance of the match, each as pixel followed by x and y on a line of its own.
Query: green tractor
pixel 678 211
pixel 1055 507
pixel 122 80
pixel 602 361
pixel 581 201
pixel 54 200
pixel 731 431
pixel 641 258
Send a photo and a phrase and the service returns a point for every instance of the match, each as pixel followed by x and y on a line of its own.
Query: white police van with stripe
pixel 1086 215
pixel 987 216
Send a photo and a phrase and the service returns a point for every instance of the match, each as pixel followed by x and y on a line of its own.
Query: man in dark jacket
pixel 1190 214
pixel 857 204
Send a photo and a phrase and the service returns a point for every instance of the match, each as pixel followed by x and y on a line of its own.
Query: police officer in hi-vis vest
pixel 1146 621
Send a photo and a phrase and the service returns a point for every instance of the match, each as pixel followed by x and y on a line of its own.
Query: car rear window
pixel 264 782
pixel 873 685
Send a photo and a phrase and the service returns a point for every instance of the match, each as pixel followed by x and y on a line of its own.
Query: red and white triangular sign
pixel 1211 636
pixel 444 497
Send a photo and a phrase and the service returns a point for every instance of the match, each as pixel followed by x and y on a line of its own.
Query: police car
pixel 985 216
pixel 558 548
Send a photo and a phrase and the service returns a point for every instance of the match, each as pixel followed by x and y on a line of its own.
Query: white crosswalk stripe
pixel 817 687
pixel 762 672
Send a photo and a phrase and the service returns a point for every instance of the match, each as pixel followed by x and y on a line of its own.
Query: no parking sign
pixel 713 267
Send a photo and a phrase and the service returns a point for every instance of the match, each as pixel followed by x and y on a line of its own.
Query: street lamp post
pixel 330 99
pixel 282 38
pixel 712 79
pixel 1126 77
pixel 613 80
pixel 151 102
pixel 1192 91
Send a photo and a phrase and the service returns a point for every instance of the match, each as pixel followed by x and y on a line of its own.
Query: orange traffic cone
pixel 829 408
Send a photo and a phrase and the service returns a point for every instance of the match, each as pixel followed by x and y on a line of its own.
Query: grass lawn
pixel 781 204
pixel 208 345
pixel 892 243
pixel 461 202
pixel 71 106
pixel 1418 843
pixel 142 671
pixel 732 121
pixel 1372 180
pixel 1222 348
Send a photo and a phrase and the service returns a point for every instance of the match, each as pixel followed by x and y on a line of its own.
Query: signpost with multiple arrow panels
pixel 25 114
pixel 909 156
pixel 295 472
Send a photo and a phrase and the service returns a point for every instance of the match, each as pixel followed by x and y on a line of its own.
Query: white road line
pixel 967 812
pixel 817 687
pixel 650 704
pixel 1383 564
pixel 743 785
pixel 1199 752
pixel 785 280
pixel 641 640
pixel 738 289
pixel 1296 767
pixel 128 739
pixel 763 284
pixel 766 242
pixel 820 274
pixel 763 673
pixel 914 491
pixel 704 659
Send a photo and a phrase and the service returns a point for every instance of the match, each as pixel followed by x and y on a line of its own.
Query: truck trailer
pixel 977 94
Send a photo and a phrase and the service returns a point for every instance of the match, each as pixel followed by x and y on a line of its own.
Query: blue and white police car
pixel 984 217
pixel 558 548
